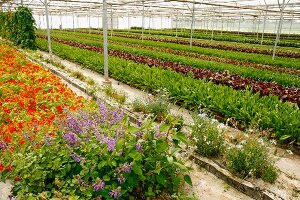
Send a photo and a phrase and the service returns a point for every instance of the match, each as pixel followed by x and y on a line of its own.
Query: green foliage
pixel 243 56
pixel 208 137
pixel 19 27
pixel 118 96
pixel 266 112
pixel 251 159
pixel 138 162
pixel 139 106
pixel 159 107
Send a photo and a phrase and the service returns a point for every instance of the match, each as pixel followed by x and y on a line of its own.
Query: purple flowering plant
pixel 100 154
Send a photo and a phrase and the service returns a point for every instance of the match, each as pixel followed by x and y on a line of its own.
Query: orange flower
pixel 17 178
pixel 9 168
pixel 59 108
pixel 8 139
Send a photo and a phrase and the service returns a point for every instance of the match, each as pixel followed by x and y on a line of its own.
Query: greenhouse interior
pixel 149 100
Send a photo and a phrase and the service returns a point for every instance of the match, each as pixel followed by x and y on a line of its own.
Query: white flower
pixel 243 142
pixel 273 141
pixel 289 152
pixel 261 141
pixel 239 146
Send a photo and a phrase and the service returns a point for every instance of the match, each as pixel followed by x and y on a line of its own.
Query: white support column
pixel 48 28
pixel 239 28
pixel 40 22
pixel 192 24
pixel 264 26
pixel 149 20
pixel 212 26
pixel 222 28
pixel 73 21
pixel 143 20
pixel 105 49
pixel 90 21
pixel 227 29
pixel 50 21
pixel 77 17
pixel 61 24
pixel 279 27
pixel 176 23
pixel 257 29
pixel 290 29
pixel 128 22
pixel 111 21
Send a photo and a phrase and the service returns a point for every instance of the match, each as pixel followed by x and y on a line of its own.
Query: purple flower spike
pixel 121 179
pixel 76 159
pixel 139 147
pixel 111 143
pixel 116 193
pixel 2 145
pixel 47 140
pixel 125 168
pixel 98 185
pixel 70 139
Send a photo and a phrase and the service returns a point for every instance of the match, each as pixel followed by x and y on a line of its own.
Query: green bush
pixel 19 27
pixel 250 159
pixel 102 155
pixel 208 137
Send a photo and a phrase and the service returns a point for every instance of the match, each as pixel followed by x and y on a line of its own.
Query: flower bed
pixel 52 149
pixel 31 98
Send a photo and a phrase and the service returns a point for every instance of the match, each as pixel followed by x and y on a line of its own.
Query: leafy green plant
pixel 266 112
pixel 159 107
pixel 111 92
pixel 209 139
pixel 100 154
pixel 139 106
pixel 250 159
pixel 23 31
pixel 244 71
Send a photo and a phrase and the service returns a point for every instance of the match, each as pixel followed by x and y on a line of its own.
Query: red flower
pixel 8 139
pixel 59 108
pixel 9 168
pixel 21 141
pixel 1 167
pixel 17 178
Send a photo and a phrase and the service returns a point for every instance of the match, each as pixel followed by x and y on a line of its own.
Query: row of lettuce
pixel 201 69
pixel 286 42
pixel 55 145
pixel 242 56
pixel 257 74
pixel 249 109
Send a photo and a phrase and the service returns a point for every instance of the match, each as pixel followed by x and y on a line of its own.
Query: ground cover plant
pixel 56 145
pixel 199 43
pixel 30 98
pixel 264 88
pixel 248 158
pixel 285 42
pixel 228 54
pixel 193 60
pixel 266 112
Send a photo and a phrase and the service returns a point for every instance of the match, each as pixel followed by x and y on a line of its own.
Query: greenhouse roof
pixel 168 8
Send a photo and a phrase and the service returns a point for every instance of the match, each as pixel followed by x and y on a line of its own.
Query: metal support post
pixel 143 20
pixel 111 21
pixel 192 24
pixel 279 27
pixel 105 49
pixel 264 26
pixel 48 28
